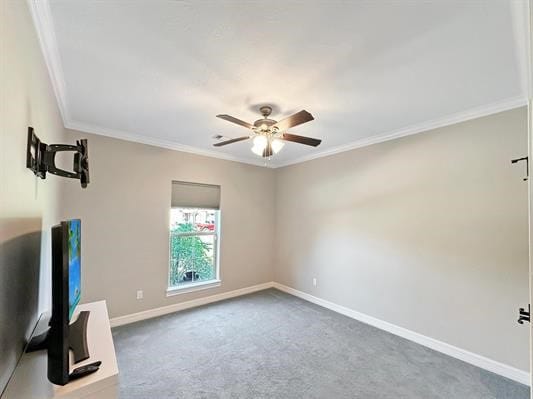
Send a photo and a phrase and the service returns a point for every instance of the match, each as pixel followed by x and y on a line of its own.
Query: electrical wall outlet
pixel 140 294
pixel 314 281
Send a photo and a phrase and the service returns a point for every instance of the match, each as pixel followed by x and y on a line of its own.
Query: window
pixel 194 232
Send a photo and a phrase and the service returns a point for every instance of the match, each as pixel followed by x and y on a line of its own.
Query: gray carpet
pixel 273 345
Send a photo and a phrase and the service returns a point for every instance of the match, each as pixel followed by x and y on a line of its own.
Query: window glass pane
pixel 193 219
pixel 192 246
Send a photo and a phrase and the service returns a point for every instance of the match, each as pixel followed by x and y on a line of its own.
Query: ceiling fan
pixel 269 135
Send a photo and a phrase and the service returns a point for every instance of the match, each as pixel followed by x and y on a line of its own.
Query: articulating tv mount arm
pixel 50 155
pixel 40 158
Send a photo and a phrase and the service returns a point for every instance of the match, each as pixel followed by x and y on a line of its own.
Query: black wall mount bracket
pixel 524 315
pixel 40 158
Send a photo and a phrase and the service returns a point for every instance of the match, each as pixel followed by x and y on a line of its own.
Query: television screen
pixel 74 264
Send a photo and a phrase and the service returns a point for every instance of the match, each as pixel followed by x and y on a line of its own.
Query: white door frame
pixel 529 49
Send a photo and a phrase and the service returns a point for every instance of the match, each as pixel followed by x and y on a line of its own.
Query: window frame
pixel 197 285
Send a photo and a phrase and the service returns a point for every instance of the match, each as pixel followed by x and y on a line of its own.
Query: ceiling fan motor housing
pixel 263 125
pixel 266 122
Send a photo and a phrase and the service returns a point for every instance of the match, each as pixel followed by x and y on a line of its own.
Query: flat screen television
pixel 63 334
pixel 66 293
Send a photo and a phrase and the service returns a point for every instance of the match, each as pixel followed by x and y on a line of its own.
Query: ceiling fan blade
pixel 231 141
pixel 230 118
pixel 300 139
pixel 294 120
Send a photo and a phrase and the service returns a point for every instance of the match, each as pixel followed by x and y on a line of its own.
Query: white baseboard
pixel 450 350
pixel 148 314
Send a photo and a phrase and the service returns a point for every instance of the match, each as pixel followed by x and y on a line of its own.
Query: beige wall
pixel 28 206
pixel 428 232
pixel 125 221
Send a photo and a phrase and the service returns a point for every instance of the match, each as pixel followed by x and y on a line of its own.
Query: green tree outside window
pixel 190 256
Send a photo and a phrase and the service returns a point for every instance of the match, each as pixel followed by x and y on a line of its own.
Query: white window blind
pixel 195 195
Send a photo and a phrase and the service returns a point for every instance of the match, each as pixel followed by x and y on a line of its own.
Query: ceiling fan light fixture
pixel 260 141
pixel 277 145
pixel 258 150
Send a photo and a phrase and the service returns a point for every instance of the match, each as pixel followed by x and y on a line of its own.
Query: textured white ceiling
pixel 159 71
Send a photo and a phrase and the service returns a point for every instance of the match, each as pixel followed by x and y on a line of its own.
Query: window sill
pixel 192 287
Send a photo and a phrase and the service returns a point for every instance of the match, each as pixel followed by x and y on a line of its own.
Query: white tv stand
pixel 29 380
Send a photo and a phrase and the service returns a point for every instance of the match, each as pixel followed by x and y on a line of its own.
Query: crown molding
pixel 452 119
pixel 44 26
pixel 157 142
